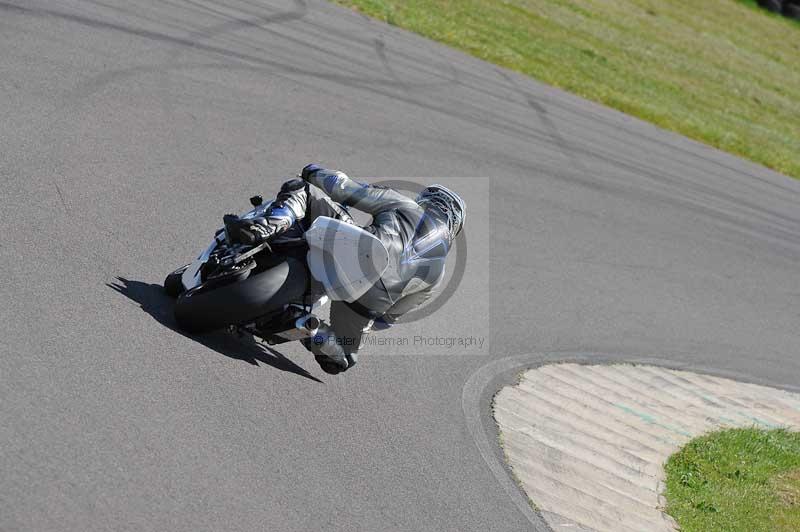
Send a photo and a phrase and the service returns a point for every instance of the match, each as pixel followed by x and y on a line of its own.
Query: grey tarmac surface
pixel 129 128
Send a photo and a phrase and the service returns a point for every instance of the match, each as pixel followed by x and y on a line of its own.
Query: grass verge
pixel 736 480
pixel 717 71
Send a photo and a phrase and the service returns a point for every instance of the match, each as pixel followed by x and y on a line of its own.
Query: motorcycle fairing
pixel 191 276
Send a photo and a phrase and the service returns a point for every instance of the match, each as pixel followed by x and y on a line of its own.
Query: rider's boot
pixel 327 350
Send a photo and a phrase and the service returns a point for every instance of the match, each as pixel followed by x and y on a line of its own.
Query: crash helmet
pixel 445 203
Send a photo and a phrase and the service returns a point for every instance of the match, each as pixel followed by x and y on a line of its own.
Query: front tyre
pixel 210 307
pixel 173 286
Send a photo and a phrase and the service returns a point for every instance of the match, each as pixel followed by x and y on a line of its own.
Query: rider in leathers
pixel 417 234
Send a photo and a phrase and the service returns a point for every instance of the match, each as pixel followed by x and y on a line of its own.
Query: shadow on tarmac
pixel 152 299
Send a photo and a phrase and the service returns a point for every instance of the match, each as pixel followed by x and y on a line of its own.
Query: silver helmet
pixel 446 202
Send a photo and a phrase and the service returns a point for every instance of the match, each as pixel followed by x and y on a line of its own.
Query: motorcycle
pixel 274 290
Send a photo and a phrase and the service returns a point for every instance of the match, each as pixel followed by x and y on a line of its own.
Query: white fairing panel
pixel 191 277
pixel 346 259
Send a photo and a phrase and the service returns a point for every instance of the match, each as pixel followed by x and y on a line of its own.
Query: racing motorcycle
pixel 274 290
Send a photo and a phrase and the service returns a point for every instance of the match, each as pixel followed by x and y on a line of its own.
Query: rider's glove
pixel 308 171
pixel 262 230
pixel 257 232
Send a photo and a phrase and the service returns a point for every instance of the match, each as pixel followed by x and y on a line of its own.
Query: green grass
pixel 736 480
pixel 718 71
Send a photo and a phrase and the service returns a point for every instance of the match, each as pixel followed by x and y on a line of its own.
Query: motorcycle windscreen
pixel 346 259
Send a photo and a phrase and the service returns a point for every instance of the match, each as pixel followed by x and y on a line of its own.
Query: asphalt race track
pixel 129 127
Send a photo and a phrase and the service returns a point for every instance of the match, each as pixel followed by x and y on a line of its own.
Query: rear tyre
pixel 776 6
pixel 173 286
pixel 206 308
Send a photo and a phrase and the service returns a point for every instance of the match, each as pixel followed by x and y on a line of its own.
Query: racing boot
pixel 328 353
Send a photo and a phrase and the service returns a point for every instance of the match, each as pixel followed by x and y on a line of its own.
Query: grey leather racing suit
pixel 417 243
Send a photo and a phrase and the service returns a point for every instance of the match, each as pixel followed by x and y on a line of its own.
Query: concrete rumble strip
pixel 588 443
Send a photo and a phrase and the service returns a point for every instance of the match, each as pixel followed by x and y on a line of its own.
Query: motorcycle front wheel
pixel 172 284
pixel 207 308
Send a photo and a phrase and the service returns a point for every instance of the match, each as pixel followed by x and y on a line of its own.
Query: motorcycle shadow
pixel 152 299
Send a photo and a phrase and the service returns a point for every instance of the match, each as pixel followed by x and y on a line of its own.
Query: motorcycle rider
pixel 417 234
